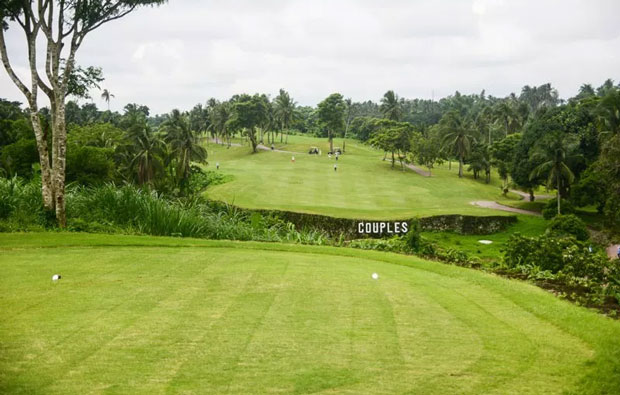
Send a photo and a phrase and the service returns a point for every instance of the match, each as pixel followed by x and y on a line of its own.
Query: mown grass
pixel 150 314
pixel 363 187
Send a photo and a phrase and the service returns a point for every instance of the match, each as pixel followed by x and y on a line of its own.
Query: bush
pixel 551 208
pixel 556 254
pixel 17 158
pixel 413 238
pixel 89 165
pixel 568 225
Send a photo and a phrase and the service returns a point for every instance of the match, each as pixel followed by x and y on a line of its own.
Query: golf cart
pixel 313 151
pixel 337 150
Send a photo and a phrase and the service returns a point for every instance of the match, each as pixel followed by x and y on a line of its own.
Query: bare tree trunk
pixel 331 142
pixel 59 156
pixel 460 166
pixel 559 197
pixel 44 159
pixel 392 159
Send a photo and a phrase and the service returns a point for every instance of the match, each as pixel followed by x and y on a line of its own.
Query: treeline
pixel 531 139
pixel 534 139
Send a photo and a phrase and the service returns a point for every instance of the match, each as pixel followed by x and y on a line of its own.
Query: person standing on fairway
pixel 217 165
pixel 293 159
pixel 335 167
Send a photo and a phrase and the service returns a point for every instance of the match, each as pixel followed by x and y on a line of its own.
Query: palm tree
pixel 608 113
pixel 219 115
pixel 146 155
pixel 106 95
pixel 457 136
pixel 285 111
pixel 391 106
pixel 504 114
pixel 184 145
pixel 556 152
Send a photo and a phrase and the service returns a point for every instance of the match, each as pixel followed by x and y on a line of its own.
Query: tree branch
pixel 9 69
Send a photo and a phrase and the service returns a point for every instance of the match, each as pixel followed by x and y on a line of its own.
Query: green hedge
pixel 463 224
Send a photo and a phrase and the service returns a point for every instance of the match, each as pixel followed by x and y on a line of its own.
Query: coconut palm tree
pixel 219 114
pixel 106 95
pixel 146 155
pixel 184 145
pixel 458 136
pixel 555 151
pixel 285 112
pixel 391 106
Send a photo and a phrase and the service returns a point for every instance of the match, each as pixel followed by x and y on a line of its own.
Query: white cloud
pixel 189 50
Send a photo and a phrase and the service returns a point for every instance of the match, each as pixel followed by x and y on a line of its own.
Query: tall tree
pixel 331 116
pixel 184 145
pixel 285 112
pixel 457 136
pixel 106 96
pixel 61 26
pixel 391 107
pixel 248 114
pixel 556 150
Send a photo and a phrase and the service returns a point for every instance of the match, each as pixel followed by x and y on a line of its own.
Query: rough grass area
pixel 526 225
pixel 151 315
pixel 363 187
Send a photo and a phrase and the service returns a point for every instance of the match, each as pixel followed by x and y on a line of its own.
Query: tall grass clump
pixel 112 208
pixel 21 205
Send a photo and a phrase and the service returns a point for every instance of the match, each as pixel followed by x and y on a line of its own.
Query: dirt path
pixel 497 206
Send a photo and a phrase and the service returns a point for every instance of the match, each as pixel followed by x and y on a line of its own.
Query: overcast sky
pixel 187 51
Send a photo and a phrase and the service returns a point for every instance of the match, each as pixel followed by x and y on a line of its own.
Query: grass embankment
pixel 149 314
pixel 363 187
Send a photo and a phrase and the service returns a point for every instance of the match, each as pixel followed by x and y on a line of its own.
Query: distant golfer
pixel 217 165
pixel 293 159
pixel 336 156
pixel 272 147
pixel 336 169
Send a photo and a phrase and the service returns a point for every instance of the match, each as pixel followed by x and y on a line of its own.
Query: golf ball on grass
pixel 375 276
pixel 56 277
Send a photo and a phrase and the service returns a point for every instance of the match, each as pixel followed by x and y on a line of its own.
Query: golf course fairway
pixel 364 186
pixel 135 314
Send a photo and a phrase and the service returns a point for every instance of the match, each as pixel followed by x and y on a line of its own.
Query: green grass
pixel 363 187
pixel 152 315
pixel 527 225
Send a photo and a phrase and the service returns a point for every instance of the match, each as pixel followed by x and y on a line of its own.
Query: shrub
pixel 17 158
pixel 551 208
pixel 568 225
pixel 89 165
pixel 556 254
pixel 413 238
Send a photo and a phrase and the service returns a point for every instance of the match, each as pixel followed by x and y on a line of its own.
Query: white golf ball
pixel 56 277
pixel 375 276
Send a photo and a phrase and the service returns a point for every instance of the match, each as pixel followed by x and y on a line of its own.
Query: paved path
pixel 526 195
pixel 259 146
pixel 497 206
pixel 415 168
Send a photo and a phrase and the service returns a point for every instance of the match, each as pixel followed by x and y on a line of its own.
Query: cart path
pixel 496 206
pixel 526 195
pixel 259 146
